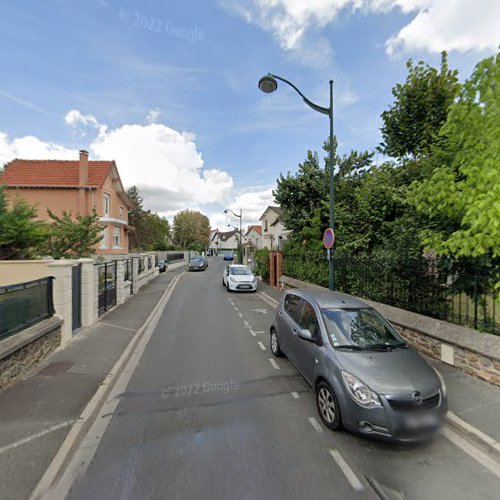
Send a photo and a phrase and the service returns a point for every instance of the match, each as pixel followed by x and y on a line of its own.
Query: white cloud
pixel 32 148
pixel 459 25
pixel 153 115
pixel 438 25
pixel 165 164
pixel 80 122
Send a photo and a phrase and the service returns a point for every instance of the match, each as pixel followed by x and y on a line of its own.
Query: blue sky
pixel 169 89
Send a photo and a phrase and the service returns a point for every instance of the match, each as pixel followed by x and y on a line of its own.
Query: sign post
pixel 328 241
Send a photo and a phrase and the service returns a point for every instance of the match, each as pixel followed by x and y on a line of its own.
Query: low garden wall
pixel 474 352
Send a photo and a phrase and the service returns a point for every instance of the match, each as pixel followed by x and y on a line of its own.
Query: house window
pixel 104 241
pixel 107 204
pixel 121 213
pixel 265 224
pixel 116 237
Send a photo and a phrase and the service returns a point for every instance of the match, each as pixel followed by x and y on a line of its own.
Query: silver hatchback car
pixel 365 376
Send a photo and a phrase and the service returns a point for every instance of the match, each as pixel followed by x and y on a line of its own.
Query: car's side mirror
pixel 305 334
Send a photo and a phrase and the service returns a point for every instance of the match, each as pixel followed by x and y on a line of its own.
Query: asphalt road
pixel 207 415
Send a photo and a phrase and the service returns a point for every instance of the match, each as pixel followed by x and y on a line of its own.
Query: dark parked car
pixel 228 256
pixel 366 378
pixel 198 263
pixel 162 265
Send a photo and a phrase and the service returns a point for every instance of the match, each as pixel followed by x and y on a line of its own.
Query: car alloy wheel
pixel 275 345
pixel 328 407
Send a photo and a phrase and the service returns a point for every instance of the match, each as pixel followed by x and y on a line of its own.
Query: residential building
pixel 223 240
pixel 253 237
pixel 274 234
pixel 77 187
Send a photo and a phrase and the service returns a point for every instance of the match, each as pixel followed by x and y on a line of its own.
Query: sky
pixel 168 89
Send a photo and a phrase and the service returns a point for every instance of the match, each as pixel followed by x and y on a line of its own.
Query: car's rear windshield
pixel 197 259
pixel 363 328
pixel 241 271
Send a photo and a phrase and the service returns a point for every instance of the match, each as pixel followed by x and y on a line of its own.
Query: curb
pixel 91 410
pixel 476 437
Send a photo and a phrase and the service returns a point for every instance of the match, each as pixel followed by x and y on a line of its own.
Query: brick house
pixel 75 186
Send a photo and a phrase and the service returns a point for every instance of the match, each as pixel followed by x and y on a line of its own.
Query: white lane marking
pixel 117 326
pixel 315 424
pixel 295 395
pixel 348 472
pixel 275 365
pixel 262 311
pixel 472 451
pixel 259 331
pixel 37 435
pixel 266 298
pixel 246 322
pixel 67 465
pixel 240 315
pixel 235 308
pixel 253 333
pixel 471 429
pixel 261 345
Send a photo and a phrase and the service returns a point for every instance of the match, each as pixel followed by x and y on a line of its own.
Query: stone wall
pixel 23 351
pixel 476 353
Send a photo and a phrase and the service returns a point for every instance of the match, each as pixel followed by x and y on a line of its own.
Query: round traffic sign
pixel 328 238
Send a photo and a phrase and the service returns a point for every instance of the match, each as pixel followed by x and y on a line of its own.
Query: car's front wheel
pixel 328 406
pixel 275 344
pixel 227 286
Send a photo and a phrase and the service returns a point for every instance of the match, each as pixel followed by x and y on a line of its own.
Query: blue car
pixel 228 256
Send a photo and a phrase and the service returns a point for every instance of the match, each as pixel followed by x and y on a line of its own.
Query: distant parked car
pixel 365 376
pixel 198 263
pixel 238 278
pixel 162 265
pixel 228 256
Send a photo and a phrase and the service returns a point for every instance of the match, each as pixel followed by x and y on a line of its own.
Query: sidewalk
pixel 472 400
pixel 36 413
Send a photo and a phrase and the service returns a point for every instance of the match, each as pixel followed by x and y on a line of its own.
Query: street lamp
pixel 269 84
pixel 241 218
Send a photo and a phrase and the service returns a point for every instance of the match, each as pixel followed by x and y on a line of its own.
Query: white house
pixel 274 233
pixel 254 236
pixel 223 240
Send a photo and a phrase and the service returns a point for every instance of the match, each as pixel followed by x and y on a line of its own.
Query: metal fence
pixel 106 287
pixel 174 256
pixel 25 304
pixel 462 298
pixel 141 265
pixel 127 269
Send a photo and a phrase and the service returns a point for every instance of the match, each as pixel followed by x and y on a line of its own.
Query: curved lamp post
pixel 268 84
pixel 240 216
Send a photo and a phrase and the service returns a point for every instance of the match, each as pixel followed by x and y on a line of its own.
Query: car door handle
pixel 294 331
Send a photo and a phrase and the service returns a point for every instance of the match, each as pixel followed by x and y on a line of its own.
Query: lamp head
pixel 268 84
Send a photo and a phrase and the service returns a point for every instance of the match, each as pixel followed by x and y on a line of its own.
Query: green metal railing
pixel 25 304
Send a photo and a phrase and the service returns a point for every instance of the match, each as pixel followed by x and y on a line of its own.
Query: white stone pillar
pixel 120 282
pixel 89 292
pixel 61 270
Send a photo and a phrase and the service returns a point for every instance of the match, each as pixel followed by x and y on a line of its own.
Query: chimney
pixel 83 169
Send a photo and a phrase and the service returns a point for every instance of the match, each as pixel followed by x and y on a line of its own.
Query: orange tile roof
pixel 53 173
pixel 256 228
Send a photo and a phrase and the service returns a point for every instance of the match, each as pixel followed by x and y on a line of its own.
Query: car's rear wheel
pixel 328 406
pixel 275 344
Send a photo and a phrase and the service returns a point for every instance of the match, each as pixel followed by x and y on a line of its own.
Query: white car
pixel 238 278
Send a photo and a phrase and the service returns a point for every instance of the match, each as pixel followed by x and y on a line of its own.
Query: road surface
pixel 208 413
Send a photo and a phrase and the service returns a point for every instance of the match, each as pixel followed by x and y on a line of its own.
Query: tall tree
pixel 20 232
pixel 462 196
pixel 412 123
pixel 191 230
pixel 151 231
